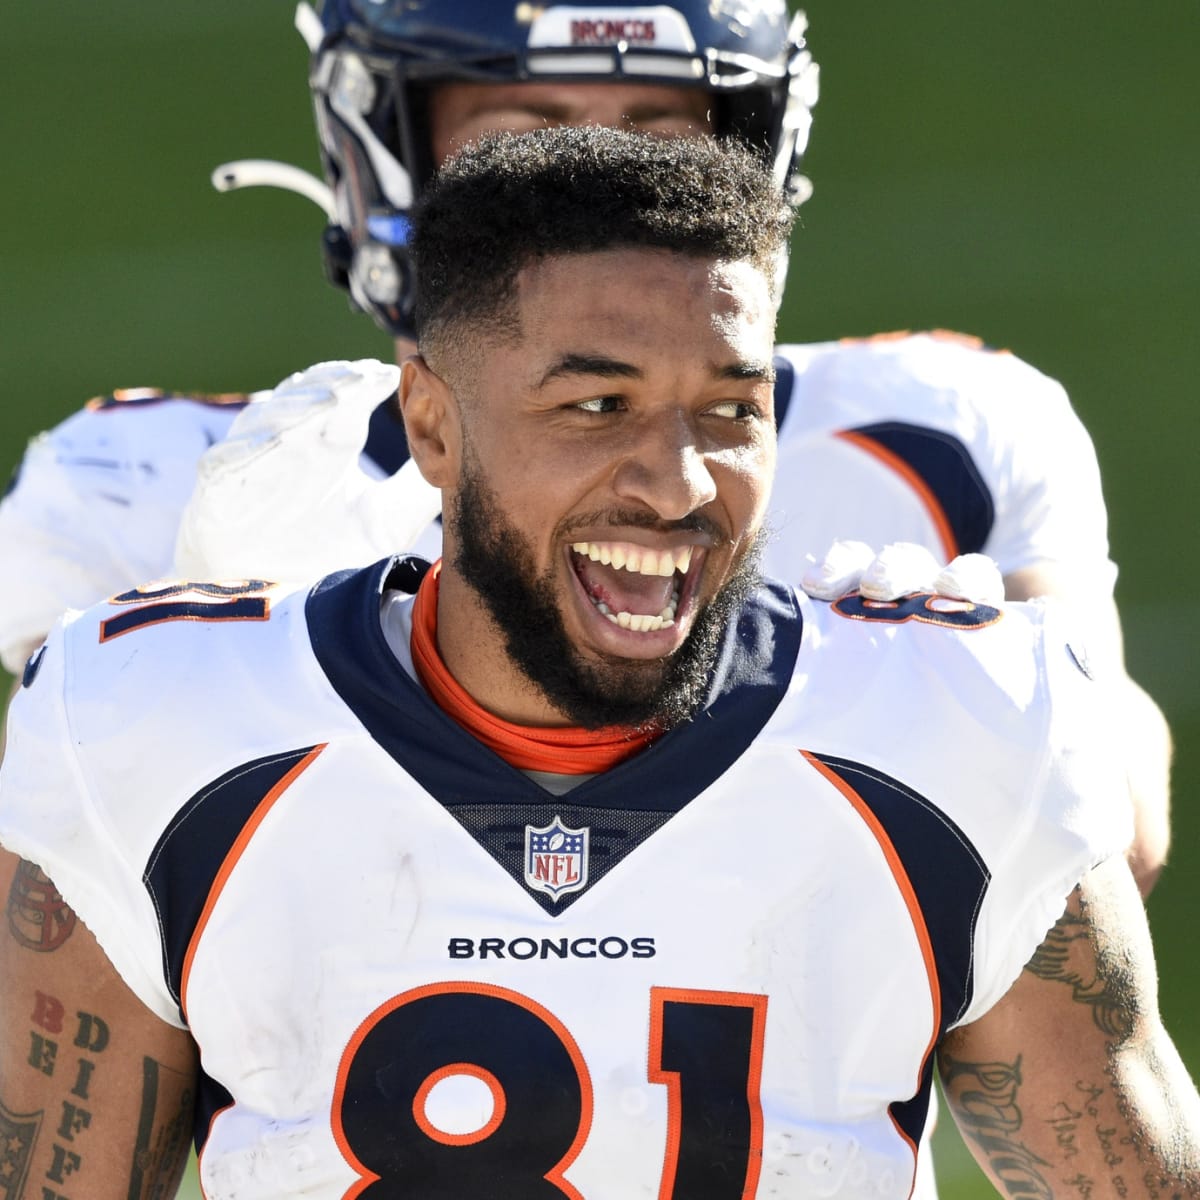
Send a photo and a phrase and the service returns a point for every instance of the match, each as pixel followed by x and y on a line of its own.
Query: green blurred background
pixel 1027 172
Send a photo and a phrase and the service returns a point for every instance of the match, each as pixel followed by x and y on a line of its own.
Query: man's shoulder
pixel 95 502
pixel 858 676
pixel 992 714
pixel 149 421
pixel 146 436
pixel 166 641
pixel 952 659
pixel 937 377
pixel 171 629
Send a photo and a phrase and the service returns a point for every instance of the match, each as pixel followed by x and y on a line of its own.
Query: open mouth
pixel 635 587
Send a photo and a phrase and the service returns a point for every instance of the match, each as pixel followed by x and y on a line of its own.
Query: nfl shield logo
pixel 556 859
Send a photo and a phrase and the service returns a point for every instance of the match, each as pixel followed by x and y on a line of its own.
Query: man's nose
pixel 666 470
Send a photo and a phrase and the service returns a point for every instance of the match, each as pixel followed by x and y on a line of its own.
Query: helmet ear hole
pixel 336 255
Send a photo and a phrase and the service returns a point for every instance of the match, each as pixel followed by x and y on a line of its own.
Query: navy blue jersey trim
pixel 950 880
pixel 184 863
pixel 749 680
pixel 945 466
pixel 211 1097
pixel 492 800
pixel 32 666
pixel 947 873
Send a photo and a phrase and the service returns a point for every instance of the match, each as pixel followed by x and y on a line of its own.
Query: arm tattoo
pixel 38 917
pixel 984 1099
pixel 162 1138
pixel 18 1132
pixel 1068 956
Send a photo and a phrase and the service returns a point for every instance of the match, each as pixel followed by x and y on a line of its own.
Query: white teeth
pixel 638 559
pixel 640 622
pixel 642 561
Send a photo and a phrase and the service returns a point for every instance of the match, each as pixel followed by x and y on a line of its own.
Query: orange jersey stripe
pixel 937 514
pixel 231 860
pixel 904 884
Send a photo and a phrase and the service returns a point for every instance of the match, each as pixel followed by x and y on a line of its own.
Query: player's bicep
pixel 1070 1084
pixel 96 1092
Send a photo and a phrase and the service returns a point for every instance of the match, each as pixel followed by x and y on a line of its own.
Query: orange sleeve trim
pixel 904 884
pixel 231 860
pixel 931 504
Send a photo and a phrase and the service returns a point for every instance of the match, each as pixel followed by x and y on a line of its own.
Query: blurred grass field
pixel 1028 173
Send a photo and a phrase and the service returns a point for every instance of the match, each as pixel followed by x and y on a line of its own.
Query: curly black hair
pixel 510 199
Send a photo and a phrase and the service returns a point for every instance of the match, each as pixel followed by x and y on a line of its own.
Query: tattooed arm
pixel 96 1092
pixel 1070 1085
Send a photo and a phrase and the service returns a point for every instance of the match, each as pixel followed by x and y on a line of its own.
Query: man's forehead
pixel 635 305
pixel 708 279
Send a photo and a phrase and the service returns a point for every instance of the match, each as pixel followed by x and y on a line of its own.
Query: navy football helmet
pixel 374 63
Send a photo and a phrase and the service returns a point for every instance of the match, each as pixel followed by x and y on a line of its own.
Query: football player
pixel 932 439
pixel 547 872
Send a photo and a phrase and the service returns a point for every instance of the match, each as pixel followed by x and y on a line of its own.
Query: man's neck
pixel 553 748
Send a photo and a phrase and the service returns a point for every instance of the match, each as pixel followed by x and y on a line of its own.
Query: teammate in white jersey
pixel 926 438
pixel 582 864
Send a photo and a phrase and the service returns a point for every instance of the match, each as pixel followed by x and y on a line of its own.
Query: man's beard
pixel 497 562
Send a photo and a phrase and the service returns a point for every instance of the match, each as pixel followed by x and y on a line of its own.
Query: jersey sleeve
pixel 95 506
pixel 1078 813
pixel 1049 500
pixel 937 439
pixel 49 816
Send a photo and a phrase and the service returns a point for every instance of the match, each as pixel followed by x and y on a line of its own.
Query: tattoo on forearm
pixel 38 917
pixel 1068 956
pixel 18 1133
pixel 984 1099
pixel 162 1138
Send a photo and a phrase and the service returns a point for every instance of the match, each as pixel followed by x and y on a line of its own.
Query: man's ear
pixel 432 422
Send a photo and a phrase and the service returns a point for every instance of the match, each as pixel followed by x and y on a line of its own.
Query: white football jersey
pixel 95 504
pixel 719 969
pixel 934 439
pixel 927 438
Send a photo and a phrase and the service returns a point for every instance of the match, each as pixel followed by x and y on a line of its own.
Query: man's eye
pixel 735 410
pixel 600 404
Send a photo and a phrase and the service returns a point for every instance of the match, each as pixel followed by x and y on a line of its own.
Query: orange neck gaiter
pixel 561 750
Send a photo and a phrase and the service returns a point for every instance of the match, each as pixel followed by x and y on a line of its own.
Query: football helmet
pixel 375 62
